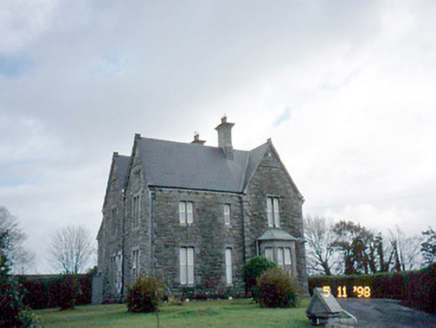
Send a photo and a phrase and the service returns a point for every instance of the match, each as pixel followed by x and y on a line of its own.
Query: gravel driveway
pixel 386 313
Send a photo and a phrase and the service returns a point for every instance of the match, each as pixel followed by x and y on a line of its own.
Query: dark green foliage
pixel 416 289
pixel 145 295
pixel 44 291
pixel 420 289
pixel 64 292
pixel 359 247
pixel 254 267
pixel 13 312
pixel 278 289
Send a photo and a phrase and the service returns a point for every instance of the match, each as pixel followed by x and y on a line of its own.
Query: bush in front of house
pixel 254 267
pixel 278 289
pixel 145 294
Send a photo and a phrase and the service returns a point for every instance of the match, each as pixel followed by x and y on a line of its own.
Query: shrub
pixel 145 294
pixel 64 292
pixel 278 289
pixel 254 267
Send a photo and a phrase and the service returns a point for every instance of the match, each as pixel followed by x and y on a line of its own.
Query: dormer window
pixel 186 213
pixel 273 212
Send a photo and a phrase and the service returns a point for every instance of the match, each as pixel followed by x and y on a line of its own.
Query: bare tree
pixel 406 250
pixel 429 246
pixel 319 250
pixel 21 259
pixel 70 249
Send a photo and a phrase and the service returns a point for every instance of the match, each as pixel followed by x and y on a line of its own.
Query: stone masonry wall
pixel 110 239
pixel 271 180
pixel 139 237
pixel 208 235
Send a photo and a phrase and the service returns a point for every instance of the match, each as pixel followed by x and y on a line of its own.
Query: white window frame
pixel 284 257
pixel 186 265
pixel 287 256
pixel 280 257
pixel 186 213
pixel 135 264
pixel 136 210
pixel 269 255
pixel 229 265
pixel 273 212
pixel 226 213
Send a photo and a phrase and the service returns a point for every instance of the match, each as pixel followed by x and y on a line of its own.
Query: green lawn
pixel 236 313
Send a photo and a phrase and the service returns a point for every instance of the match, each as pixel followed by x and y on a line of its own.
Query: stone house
pixel 193 214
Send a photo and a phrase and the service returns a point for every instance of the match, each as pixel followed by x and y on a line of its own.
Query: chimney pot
pixel 197 139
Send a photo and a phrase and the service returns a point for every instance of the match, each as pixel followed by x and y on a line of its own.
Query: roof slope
pixel 276 234
pixel 192 166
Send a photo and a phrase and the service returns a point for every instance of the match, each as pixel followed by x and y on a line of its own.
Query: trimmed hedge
pixel 52 291
pixel 416 289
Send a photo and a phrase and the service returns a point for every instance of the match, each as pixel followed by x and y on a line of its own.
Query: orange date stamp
pixel 359 291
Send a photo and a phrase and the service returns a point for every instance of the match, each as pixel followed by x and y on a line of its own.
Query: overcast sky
pixel 345 89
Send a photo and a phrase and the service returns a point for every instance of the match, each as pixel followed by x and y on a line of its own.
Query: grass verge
pixel 222 313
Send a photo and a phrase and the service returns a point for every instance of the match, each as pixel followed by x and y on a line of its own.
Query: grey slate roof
pixel 193 166
pixel 276 234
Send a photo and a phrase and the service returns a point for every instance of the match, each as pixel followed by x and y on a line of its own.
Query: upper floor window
pixel 136 208
pixel 186 265
pixel 273 212
pixel 226 214
pixel 186 215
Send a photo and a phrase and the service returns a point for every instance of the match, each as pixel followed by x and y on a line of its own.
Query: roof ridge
pixel 190 144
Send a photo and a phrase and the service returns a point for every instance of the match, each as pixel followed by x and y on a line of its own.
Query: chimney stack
pixel 197 139
pixel 225 137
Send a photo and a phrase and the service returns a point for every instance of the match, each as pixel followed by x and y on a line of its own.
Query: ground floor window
pixel 135 264
pixel 118 277
pixel 229 266
pixel 284 257
pixel 186 265
pixel 269 254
